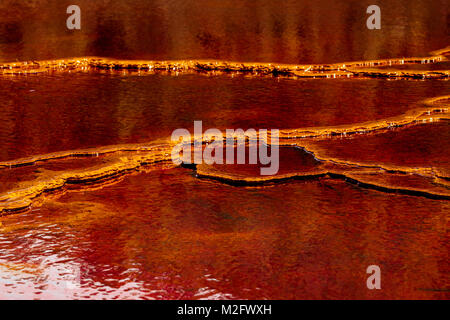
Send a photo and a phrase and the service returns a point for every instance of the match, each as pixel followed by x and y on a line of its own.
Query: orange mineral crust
pixel 345 69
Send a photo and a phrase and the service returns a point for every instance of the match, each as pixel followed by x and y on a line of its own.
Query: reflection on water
pixel 244 30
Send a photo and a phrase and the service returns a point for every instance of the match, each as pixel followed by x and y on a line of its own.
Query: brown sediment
pixel 335 70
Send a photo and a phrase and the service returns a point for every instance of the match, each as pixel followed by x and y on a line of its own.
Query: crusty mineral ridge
pixel 345 69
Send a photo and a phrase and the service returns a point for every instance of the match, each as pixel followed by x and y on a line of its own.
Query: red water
pixel 162 232
pixel 166 234
pixel 49 113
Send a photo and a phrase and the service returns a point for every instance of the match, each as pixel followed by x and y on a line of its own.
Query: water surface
pixel 156 231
